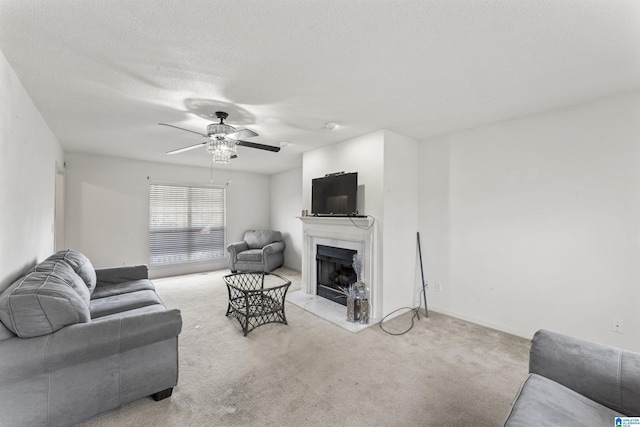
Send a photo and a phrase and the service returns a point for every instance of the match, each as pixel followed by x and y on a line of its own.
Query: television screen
pixel 335 194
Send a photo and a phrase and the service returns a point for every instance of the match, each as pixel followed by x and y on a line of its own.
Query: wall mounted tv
pixel 335 194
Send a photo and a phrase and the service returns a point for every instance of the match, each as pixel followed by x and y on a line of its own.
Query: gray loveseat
pixel 576 383
pixel 75 342
pixel 260 250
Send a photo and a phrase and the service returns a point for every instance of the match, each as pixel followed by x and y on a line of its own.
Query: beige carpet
pixel 444 371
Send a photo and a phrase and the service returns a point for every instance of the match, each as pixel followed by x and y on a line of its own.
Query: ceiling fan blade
pixel 188 130
pixel 258 146
pixel 191 147
pixel 242 133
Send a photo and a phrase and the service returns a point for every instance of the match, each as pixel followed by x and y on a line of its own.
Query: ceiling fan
pixel 222 140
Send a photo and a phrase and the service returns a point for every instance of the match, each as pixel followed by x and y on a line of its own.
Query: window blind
pixel 186 224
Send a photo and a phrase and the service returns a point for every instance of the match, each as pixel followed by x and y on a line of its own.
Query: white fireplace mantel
pixel 355 233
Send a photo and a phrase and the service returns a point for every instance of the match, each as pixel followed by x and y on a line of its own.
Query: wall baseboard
pixel 481 322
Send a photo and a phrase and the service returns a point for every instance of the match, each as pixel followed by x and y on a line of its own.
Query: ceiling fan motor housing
pixel 219 130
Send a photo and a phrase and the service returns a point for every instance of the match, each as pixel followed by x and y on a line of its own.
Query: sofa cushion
pixel 40 303
pixel 542 402
pixel 119 303
pixel 66 272
pixel 103 291
pixel 257 239
pixel 251 255
pixel 116 275
pixel 133 312
pixel 80 264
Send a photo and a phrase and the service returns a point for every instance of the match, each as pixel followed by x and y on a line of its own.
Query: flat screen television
pixel 335 194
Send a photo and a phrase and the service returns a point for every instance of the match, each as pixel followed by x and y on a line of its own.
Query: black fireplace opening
pixel 335 271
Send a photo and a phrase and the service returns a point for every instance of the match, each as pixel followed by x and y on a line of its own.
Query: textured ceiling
pixel 103 73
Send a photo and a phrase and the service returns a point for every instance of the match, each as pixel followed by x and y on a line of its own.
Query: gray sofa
pixel 576 383
pixel 259 250
pixel 75 342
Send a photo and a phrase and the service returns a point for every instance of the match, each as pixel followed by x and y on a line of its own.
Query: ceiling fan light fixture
pixel 221 157
pixel 222 150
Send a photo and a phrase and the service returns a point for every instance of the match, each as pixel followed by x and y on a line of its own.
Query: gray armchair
pixel 260 250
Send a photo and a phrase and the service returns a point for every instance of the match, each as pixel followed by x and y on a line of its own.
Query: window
pixel 186 224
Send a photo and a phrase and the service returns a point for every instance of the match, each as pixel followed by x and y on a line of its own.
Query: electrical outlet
pixel 617 325
pixel 438 286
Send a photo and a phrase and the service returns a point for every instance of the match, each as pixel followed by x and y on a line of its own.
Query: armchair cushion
pixel 251 255
pixel 257 239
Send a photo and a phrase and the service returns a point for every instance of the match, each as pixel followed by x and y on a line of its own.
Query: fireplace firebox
pixel 335 271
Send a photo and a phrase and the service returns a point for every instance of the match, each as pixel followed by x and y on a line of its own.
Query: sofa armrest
pixel 116 275
pixel 604 374
pixel 272 248
pixel 234 248
pixel 82 342
pixel 99 338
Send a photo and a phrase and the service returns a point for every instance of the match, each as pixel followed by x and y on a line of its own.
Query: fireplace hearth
pixel 334 272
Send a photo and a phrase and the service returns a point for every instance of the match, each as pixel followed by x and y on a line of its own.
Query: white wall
pixel 364 155
pixel 107 207
pixel 535 223
pixel 399 222
pixel 28 155
pixel 286 206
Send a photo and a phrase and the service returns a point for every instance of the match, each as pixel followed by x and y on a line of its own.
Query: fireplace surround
pixel 356 235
